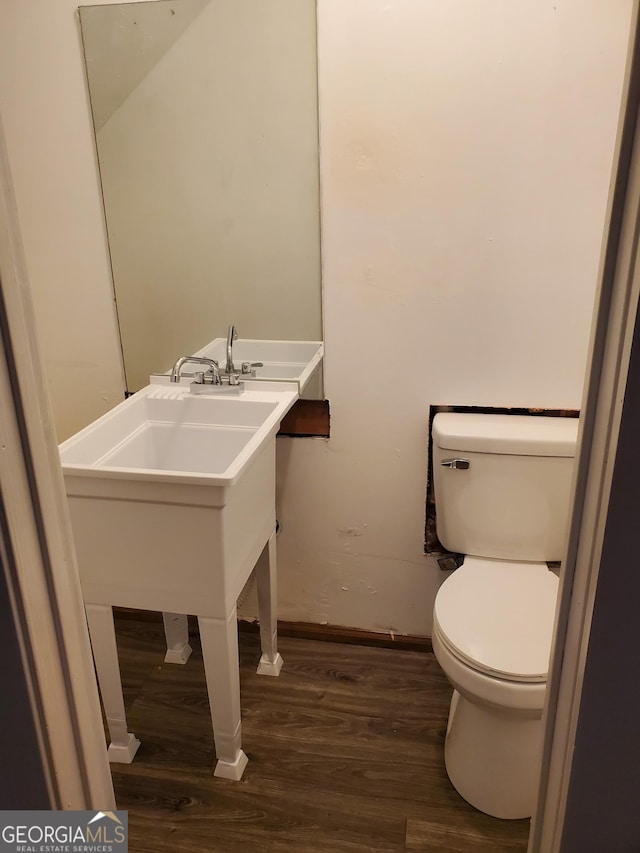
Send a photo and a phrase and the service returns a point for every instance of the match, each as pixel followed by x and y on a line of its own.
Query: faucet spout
pixel 232 336
pixel 211 364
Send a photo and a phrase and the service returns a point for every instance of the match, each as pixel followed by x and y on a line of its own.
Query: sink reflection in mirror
pixel 276 361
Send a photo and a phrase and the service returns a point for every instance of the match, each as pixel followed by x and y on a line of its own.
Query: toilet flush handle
pixel 463 464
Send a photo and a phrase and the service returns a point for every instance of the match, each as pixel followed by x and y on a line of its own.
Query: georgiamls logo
pixel 105 833
pixel 100 815
pixel 62 831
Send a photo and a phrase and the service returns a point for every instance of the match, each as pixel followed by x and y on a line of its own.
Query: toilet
pixel 502 493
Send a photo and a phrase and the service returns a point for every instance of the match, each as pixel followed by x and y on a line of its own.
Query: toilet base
pixel 492 757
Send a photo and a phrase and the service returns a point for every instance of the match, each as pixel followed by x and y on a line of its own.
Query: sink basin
pixel 167 434
pixel 283 361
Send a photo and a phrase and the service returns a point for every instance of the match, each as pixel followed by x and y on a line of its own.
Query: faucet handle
pixel 248 365
pixel 208 377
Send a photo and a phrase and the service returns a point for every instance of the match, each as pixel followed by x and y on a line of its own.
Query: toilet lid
pixel 498 617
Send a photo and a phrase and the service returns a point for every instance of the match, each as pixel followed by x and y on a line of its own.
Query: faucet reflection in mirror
pixel 212 379
pixel 206 125
pixel 232 336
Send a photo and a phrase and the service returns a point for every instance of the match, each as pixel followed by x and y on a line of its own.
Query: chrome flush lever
pixel 463 464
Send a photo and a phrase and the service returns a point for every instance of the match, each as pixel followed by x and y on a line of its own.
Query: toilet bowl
pixel 494 732
pixel 502 494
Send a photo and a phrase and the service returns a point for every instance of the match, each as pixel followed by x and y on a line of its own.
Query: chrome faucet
pixel 212 365
pixel 232 336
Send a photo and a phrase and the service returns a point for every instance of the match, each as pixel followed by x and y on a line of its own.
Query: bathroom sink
pixel 282 361
pixel 168 485
pixel 167 434
pixel 172 503
pixel 172 496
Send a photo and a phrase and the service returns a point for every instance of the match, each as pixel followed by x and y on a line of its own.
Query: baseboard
pixel 339 634
pixel 308 631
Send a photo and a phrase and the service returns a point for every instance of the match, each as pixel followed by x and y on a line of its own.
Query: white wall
pixel 465 156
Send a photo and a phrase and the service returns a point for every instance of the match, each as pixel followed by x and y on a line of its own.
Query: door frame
pixel 44 601
pixel 600 420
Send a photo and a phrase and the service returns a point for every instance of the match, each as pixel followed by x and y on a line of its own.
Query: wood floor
pixel 345 754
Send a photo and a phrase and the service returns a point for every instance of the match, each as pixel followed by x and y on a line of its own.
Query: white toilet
pixel 502 490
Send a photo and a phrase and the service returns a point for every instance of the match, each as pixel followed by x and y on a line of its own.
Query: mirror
pixel 206 122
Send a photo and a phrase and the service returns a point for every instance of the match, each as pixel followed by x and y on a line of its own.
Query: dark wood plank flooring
pixel 345 754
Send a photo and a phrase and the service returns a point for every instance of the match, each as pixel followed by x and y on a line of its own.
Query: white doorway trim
pixel 610 347
pixel 38 557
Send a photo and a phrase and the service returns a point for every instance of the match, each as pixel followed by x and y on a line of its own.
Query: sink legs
pixel 219 638
pixel 124 744
pixel 176 626
pixel 266 579
pixel 176 630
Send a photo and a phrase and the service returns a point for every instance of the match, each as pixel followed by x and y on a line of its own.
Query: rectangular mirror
pixel 206 122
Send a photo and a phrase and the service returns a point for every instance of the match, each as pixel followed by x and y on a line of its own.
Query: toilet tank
pixel 512 500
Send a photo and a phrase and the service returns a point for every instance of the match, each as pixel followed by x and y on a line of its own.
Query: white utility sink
pixel 282 361
pixel 167 434
pixel 172 504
